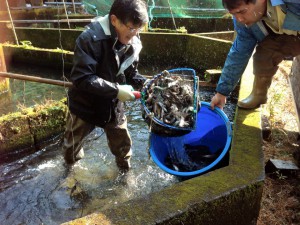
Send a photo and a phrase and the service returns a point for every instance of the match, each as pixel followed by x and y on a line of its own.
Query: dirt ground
pixel 281 196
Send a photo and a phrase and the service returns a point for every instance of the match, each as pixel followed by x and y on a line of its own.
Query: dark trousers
pixel 118 138
pixel 272 50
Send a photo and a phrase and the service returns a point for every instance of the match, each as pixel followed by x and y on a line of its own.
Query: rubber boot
pixel 123 164
pixel 258 95
pixel 71 156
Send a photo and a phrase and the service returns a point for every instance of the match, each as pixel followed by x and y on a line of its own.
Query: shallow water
pixel 39 189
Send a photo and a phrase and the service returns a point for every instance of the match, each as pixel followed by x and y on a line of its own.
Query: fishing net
pixel 97 7
pixel 166 8
pixel 170 102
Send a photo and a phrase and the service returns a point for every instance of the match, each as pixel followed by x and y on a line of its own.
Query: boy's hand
pixel 125 93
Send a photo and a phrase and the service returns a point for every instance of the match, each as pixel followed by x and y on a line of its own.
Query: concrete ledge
pixel 169 49
pixel 32 126
pixel 14 133
pixel 224 35
pixel 228 196
pixel 37 56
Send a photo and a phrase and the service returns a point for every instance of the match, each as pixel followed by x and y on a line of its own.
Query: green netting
pixel 166 8
pixel 186 8
pixel 97 7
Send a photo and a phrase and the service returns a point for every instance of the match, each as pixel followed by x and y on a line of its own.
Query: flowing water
pixel 40 189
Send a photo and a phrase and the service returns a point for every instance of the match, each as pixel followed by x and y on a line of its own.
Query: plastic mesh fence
pixel 166 8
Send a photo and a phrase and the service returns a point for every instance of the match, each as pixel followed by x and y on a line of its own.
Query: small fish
pixel 171 99
pixel 201 152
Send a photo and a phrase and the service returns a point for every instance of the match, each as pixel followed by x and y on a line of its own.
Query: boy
pixel 105 61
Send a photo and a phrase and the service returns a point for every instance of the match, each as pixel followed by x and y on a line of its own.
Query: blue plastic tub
pixel 212 135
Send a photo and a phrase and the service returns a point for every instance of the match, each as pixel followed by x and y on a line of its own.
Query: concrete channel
pixel 227 196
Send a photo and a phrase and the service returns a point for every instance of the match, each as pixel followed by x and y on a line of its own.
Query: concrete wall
pixel 35 56
pixel 169 49
pixel 194 25
pixel 29 128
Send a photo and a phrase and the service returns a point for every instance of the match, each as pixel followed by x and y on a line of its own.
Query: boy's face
pixel 249 14
pixel 126 31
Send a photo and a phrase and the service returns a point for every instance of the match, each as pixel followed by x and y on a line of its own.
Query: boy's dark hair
pixel 134 11
pixel 233 4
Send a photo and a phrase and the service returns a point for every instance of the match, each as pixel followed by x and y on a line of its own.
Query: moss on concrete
pixel 187 203
pixel 31 126
pixel 159 30
pixel 14 132
pixel 32 14
pixel 48 120
pixel 50 38
pixel 4 85
pixel 169 49
pixel 195 25
pixel 37 56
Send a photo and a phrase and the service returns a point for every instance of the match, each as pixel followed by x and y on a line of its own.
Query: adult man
pixel 272 26
pixel 105 61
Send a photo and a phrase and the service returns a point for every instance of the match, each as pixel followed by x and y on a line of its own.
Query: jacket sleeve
pixel 133 77
pixel 83 74
pixel 237 59
pixel 292 18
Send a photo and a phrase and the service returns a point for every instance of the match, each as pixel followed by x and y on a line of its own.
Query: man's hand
pixel 218 100
pixel 125 93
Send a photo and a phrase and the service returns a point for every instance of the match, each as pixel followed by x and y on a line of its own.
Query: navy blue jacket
pixel 97 69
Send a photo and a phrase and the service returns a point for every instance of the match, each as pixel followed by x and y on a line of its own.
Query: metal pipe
pixel 35 79
pixel 48 21
pixel 66 83
pixel 61 3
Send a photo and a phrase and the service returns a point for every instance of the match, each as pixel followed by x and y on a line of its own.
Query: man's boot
pixel 258 95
